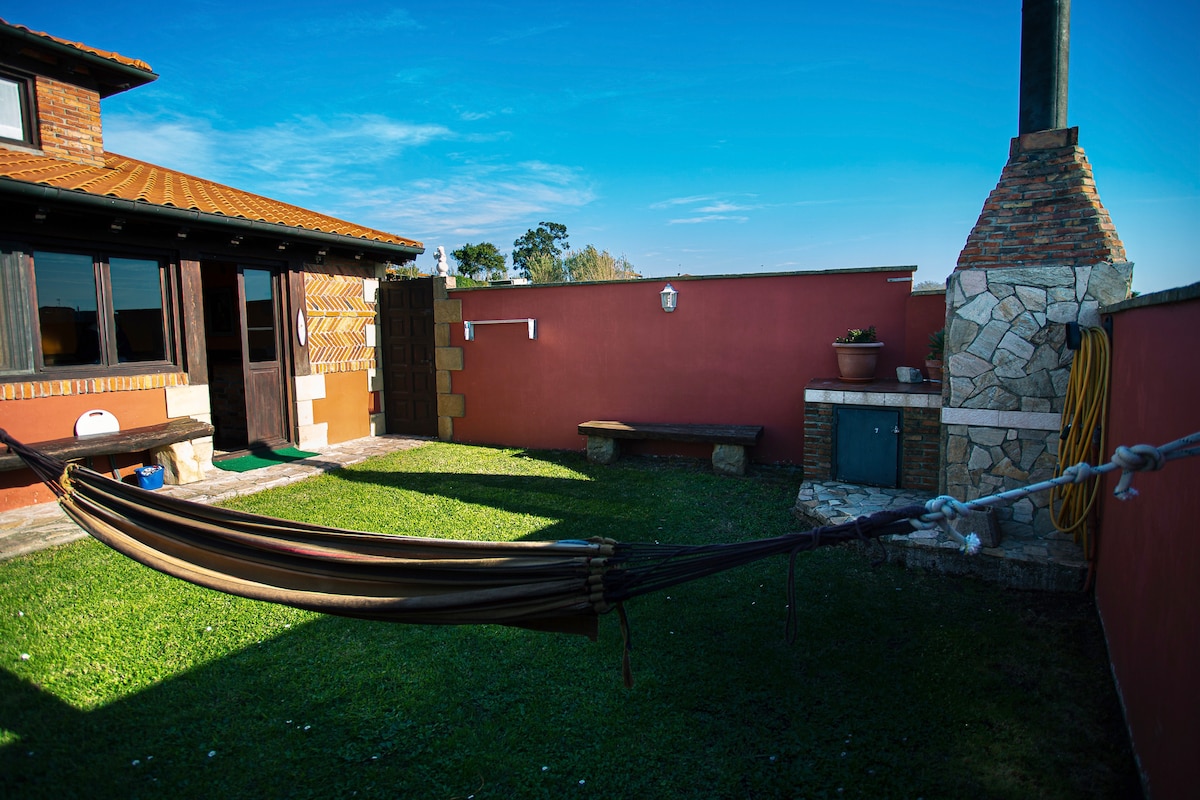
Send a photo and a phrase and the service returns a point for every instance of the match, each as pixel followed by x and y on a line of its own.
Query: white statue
pixel 443 268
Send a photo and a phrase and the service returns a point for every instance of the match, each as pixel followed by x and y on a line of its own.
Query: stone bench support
pixel 729 441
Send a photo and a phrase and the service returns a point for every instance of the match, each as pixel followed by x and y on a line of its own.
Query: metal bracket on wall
pixel 469 327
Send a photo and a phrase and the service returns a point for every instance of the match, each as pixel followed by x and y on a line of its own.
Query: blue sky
pixel 692 137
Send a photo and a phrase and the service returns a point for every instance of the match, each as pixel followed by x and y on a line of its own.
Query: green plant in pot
pixel 857 354
pixel 933 359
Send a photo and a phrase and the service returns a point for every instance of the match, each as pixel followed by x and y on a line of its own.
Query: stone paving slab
pixel 27 530
pixel 1051 563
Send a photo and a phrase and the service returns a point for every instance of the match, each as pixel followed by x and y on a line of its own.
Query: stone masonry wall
pixel 1007 370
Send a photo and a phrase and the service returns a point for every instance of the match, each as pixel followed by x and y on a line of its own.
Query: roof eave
pixel 114 77
pixel 186 216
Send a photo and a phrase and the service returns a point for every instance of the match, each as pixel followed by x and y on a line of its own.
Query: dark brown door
pixel 262 361
pixel 409 385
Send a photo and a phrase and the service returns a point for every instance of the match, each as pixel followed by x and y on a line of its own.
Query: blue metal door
pixel 867 446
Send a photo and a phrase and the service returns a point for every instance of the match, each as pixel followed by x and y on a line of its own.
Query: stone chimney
pixel 1043 253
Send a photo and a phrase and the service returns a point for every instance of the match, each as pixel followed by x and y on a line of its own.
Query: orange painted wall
pixel 346 406
pixel 47 418
pixel 1148 551
pixel 738 350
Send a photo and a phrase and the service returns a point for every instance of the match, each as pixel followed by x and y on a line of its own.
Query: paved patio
pixel 37 527
pixel 1050 563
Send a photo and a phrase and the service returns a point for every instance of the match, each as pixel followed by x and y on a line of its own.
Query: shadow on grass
pixel 899 684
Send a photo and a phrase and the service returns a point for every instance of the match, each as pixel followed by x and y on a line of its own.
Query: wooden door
pixel 262 358
pixel 409 381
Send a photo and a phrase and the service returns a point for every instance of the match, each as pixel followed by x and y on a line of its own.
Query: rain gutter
pixel 187 216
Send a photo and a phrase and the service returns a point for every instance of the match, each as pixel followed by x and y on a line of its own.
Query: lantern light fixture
pixel 669 298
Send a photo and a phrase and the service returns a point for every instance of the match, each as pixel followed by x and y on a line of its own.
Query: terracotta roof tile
pixel 129 179
pixel 114 57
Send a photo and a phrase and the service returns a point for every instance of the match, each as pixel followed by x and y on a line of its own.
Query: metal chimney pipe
pixel 1045 46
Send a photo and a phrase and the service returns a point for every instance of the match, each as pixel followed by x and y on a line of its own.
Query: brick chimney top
pixel 1044 211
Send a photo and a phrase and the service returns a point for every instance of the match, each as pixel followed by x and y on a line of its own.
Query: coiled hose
pixel 1084 416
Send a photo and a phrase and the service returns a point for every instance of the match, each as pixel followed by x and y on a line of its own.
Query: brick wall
pixel 32 390
pixel 818 441
pixel 341 323
pixel 69 122
pixel 1044 211
pixel 920 449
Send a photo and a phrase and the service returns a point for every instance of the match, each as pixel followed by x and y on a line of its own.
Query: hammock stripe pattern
pixel 558 586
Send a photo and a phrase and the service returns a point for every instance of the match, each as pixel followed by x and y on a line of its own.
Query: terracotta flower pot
pixel 933 368
pixel 856 362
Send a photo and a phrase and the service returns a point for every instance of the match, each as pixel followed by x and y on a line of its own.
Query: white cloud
pixel 709 208
pixel 708 218
pixel 367 168
pixel 683 201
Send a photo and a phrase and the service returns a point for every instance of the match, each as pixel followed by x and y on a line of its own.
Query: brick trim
pixel 32 390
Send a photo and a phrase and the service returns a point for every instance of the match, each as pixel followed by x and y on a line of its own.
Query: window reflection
pixel 260 314
pixel 138 307
pixel 66 291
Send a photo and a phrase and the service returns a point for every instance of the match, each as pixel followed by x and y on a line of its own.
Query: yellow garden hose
pixel 1084 416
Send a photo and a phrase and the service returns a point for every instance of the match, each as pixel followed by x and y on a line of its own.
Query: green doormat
pixel 265 458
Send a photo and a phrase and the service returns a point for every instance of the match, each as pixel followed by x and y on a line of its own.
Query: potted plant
pixel 933 359
pixel 857 353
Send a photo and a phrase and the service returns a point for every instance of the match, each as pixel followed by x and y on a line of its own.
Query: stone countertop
pixel 875 386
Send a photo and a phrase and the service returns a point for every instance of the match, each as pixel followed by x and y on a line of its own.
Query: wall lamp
pixel 669 298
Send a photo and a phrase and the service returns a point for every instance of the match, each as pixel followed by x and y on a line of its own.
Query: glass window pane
pixel 137 303
pixel 260 314
pixel 12 121
pixel 66 292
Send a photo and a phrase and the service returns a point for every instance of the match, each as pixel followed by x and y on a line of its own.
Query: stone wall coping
pixel 988 418
pixel 678 278
pixel 1165 297
pixel 892 394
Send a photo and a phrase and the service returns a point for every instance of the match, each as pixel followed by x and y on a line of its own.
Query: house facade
pixel 154 295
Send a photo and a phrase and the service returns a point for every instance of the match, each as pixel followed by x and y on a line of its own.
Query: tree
pixel 544 268
pixel 398 272
pixel 476 259
pixel 590 264
pixel 545 239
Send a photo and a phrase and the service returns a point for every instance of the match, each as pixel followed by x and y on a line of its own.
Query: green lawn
pixel 120 682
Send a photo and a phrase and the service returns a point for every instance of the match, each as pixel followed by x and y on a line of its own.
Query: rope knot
pixel 1080 472
pixel 1138 458
pixel 939 509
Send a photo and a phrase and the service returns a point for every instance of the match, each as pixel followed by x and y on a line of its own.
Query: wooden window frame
pixel 110 365
pixel 29 119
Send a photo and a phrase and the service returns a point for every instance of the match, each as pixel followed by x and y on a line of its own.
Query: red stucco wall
pixel 926 314
pixel 737 350
pixel 1148 550
pixel 45 418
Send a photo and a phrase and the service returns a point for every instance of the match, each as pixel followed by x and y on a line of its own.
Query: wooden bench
pixel 134 440
pixel 729 441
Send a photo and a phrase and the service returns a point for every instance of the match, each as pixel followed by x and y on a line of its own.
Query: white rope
pixel 941 511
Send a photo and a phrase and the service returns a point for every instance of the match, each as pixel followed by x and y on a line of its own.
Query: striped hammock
pixel 560 586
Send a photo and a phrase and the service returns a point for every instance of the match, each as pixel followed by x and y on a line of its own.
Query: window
pixel 99 311
pixel 16 109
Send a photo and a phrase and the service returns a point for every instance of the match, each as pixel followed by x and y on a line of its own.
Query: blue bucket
pixel 149 477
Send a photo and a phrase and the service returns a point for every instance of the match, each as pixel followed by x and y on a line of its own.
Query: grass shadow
pixel 898 684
